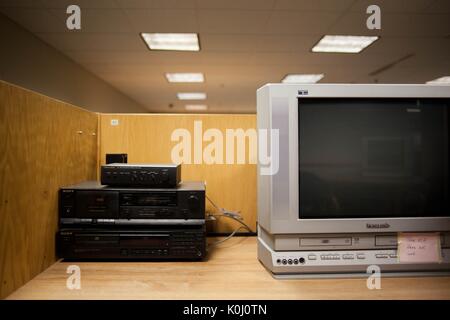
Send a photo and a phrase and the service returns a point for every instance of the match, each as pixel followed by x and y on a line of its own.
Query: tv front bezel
pixel 278 194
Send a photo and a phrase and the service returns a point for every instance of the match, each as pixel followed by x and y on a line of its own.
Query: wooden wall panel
pixel 147 138
pixel 44 144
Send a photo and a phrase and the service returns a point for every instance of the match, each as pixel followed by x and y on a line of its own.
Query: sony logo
pixel 302 92
pixel 378 225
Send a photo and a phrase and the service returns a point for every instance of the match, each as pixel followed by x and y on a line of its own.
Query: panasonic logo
pixel 378 225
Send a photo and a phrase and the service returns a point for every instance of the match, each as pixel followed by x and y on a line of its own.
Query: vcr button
pixel 330 257
pixel 68 210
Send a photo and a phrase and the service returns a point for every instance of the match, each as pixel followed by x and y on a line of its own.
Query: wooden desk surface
pixel 232 272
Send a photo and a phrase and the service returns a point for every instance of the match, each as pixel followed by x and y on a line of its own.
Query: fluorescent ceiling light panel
pixel 343 44
pixel 191 96
pixel 185 77
pixel 196 107
pixel 172 41
pixel 302 78
pixel 442 80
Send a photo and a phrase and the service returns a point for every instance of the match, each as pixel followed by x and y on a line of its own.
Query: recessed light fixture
pixel 185 77
pixel 343 44
pixel 196 107
pixel 191 95
pixel 172 41
pixel 441 80
pixel 302 78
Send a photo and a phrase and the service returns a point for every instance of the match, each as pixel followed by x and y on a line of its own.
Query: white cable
pixel 235 219
pixel 235 215
pixel 225 239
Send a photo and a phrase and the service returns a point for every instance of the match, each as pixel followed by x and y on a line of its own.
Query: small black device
pixel 116 158
pixel 145 175
pixel 92 203
pixel 155 243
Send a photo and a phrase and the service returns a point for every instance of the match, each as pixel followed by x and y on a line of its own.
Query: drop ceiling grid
pixel 244 43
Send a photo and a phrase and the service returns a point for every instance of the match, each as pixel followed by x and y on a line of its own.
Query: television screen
pixel 373 158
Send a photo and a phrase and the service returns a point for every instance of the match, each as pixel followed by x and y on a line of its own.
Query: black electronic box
pixel 145 175
pixel 92 203
pixel 156 243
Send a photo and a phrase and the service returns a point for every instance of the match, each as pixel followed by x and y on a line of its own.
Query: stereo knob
pixel 193 201
pixel 68 211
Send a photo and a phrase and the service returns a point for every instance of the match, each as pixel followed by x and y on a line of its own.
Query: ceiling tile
pixel 316 5
pixel 104 4
pixel 35 20
pixel 257 42
pixel 390 6
pixel 229 42
pixel 402 74
pixel 93 42
pixel 439 6
pixel 110 57
pixel 303 23
pixel 157 4
pixel 21 3
pixel 285 43
pixel 232 21
pixel 395 24
pixel 254 5
pixel 99 20
pixel 162 20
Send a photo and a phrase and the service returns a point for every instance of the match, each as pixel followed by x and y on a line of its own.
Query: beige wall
pixel 147 139
pixel 29 62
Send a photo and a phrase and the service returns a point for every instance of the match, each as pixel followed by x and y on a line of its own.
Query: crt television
pixel 362 172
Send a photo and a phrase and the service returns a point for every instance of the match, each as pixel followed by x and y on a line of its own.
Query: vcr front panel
pixel 163 243
pixel 154 176
pixel 96 202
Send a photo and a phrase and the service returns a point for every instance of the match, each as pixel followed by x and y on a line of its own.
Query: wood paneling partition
pixel 147 138
pixel 44 144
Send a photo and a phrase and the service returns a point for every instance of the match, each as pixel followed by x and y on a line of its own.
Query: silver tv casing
pixel 280 231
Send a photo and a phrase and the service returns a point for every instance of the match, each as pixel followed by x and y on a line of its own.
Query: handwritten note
pixel 419 247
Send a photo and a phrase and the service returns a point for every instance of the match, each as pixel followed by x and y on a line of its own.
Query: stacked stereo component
pixel 137 212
